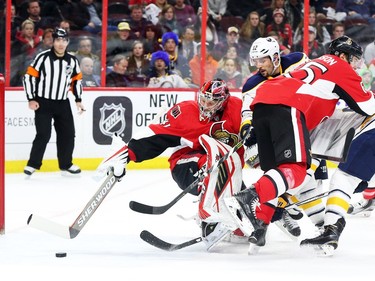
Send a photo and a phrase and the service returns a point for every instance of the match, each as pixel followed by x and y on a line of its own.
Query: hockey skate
pixel 213 234
pixel 363 207
pixel 257 239
pixel 242 208
pixel 288 225
pixel 236 237
pixel 327 242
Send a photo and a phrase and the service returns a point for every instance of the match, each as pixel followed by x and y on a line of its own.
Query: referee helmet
pixel 60 33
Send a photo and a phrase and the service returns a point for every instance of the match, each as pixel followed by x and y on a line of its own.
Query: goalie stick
pixel 70 232
pixel 157 210
pixel 151 239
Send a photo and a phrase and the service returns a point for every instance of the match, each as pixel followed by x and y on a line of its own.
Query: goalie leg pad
pixel 222 182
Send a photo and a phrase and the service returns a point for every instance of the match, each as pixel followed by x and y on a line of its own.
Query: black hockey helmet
pixel 346 45
pixel 60 33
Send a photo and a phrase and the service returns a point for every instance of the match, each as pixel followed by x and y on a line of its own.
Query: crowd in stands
pixel 144 36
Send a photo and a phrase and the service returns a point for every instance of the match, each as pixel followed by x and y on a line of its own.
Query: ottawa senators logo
pixel 218 132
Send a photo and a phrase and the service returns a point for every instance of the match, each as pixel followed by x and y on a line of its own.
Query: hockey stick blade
pixel 158 210
pixel 151 239
pixel 70 232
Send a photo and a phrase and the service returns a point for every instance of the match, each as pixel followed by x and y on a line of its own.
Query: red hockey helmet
pixel 212 98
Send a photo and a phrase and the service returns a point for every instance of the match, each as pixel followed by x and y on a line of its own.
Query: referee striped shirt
pixel 52 77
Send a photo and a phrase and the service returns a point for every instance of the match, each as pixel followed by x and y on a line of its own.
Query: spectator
pixel 267 16
pixel 167 20
pixel 230 74
pixel 136 22
pixel 15 21
pixel 211 32
pixel 358 10
pixel 242 64
pixel 211 65
pixel 138 66
pixel 280 25
pixel 34 15
pixel 188 45
pixel 177 62
pixel 316 49
pixel 150 40
pixel 251 29
pixel 85 49
pixel 161 76
pixel 185 14
pixel 294 11
pixel 161 3
pixel 322 34
pixel 338 30
pixel 367 78
pixel 283 49
pixel 89 79
pixel 216 10
pixel 369 53
pixel 232 37
pixel 23 51
pixel 151 13
pixel 117 77
pixel 86 16
pixel 64 24
pixel 47 41
pixel 121 42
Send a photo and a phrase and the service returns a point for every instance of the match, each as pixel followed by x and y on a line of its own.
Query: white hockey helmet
pixel 265 47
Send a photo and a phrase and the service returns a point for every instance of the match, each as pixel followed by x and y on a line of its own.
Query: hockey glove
pixel 117 159
pixel 247 133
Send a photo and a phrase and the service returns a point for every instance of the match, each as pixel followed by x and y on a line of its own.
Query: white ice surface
pixel 109 247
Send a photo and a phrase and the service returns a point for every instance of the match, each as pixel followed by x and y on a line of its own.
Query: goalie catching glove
pixel 117 159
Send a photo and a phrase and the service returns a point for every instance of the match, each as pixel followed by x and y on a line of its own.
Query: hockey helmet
pixel 212 98
pixel 60 33
pixel 346 45
pixel 265 47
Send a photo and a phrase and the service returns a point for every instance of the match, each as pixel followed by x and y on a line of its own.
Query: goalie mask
pixel 212 99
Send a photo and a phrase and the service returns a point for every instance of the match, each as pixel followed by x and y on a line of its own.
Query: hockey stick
pixel 308 200
pixel 161 244
pixel 157 210
pixel 70 232
pixel 151 239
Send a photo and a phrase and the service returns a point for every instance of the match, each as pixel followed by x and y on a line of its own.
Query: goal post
pixel 2 155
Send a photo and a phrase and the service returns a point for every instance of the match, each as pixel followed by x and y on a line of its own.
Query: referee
pixel 47 82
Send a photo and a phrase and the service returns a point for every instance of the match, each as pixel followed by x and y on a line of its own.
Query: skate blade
pixel 320 250
pixel 235 210
pixel 70 175
pixel 253 249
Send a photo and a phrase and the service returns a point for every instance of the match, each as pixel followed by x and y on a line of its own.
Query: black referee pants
pixel 61 114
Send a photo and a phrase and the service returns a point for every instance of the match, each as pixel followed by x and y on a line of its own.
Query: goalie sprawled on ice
pixel 200 133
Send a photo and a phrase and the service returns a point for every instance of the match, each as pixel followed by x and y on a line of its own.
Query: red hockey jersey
pixel 182 129
pixel 315 87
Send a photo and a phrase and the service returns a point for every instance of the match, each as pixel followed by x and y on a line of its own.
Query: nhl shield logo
pixel 112 119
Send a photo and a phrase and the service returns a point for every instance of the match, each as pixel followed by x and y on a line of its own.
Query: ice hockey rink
pixel 109 247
